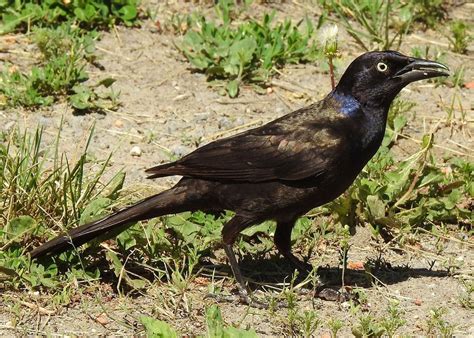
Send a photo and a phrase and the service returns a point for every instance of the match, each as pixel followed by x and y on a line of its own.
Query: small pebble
pixel 136 151
pixel 201 116
pixel 134 131
pixel 118 123
pixel 172 127
pixel 279 110
pixel 239 121
pixel 418 301
pixel 225 123
pixel 9 125
pixel 180 150
pixel 269 90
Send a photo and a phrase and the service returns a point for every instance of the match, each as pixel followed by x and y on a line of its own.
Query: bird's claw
pixel 329 294
pixel 246 299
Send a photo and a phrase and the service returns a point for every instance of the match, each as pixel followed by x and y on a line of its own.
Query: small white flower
pixel 328 34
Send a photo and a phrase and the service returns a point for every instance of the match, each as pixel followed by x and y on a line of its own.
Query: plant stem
pixel 331 72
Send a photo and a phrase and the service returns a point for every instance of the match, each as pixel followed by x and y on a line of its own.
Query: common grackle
pixel 280 170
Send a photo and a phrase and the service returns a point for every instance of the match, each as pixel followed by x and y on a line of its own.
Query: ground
pixel 167 111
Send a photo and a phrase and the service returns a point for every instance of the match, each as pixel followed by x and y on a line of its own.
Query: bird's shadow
pixel 277 270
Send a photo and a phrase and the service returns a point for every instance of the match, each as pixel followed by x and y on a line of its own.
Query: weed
pixel 157 328
pixel 248 53
pixel 437 325
pixel 376 19
pixel 40 187
pixel 460 36
pixel 466 298
pixel 216 328
pixel 50 13
pixel 458 77
pixel 64 51
pixel 335 325
pixel 393 321
pixel 368 326
pixel 384 23
pixel 310 322
pixel 328 38
pixel 428 12
pixel 416 192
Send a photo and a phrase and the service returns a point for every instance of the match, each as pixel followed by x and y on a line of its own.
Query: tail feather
pixel 157 205
pixel 164 170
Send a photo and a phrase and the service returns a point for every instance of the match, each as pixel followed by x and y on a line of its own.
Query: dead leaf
pixel 469 85
pixel 355 265
pixel 102 319
pixel 201 281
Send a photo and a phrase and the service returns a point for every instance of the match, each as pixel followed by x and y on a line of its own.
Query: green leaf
pixel 242 51
pixel 199 62
pixel 376 206
pixel 20 225
pixel 121 272
pixel 214 321
pixel 182 226
pixel 128 13
pixel 399 122
pixel 265 227
pixel 114 186
pixel 80 14
pixel 233 88
pixel 127 239
pixel 81 100
pixel 107 82
pixel 96 208
pixel 157 328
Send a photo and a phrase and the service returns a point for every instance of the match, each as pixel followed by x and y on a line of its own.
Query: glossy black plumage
pixel 280 170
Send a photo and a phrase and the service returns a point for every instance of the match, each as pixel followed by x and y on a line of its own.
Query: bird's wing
pixel 276 151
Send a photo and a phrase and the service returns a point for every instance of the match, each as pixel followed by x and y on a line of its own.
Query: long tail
pixel 167 202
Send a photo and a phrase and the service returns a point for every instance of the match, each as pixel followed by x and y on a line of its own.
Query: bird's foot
pixel 245 298
pixel 330 294
pixel 242 298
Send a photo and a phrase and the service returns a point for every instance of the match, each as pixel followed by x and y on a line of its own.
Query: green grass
pixel 65 34
pixel 215 327
pixel 461 35
pixel 44 192
pixel 383 24
pixel 23 14
pixel 61 73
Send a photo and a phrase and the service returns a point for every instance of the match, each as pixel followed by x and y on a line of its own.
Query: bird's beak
pixel 419 69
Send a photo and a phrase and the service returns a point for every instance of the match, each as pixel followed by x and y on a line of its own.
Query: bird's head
pixel 377 77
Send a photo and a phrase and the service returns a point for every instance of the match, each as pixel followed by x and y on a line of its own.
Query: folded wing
pixel 276 151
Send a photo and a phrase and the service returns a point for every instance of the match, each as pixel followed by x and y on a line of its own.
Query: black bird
pixel 280 170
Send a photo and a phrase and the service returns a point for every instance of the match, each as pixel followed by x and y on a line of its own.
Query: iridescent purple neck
pixel 348 104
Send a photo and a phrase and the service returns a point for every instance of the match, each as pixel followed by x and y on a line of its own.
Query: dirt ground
pixel 168 111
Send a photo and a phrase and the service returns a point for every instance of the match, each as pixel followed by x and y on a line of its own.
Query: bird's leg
pixel 282 241
pixel 229 234
pixel 244 294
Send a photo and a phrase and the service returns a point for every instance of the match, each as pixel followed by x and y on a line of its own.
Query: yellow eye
pixel 382 67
